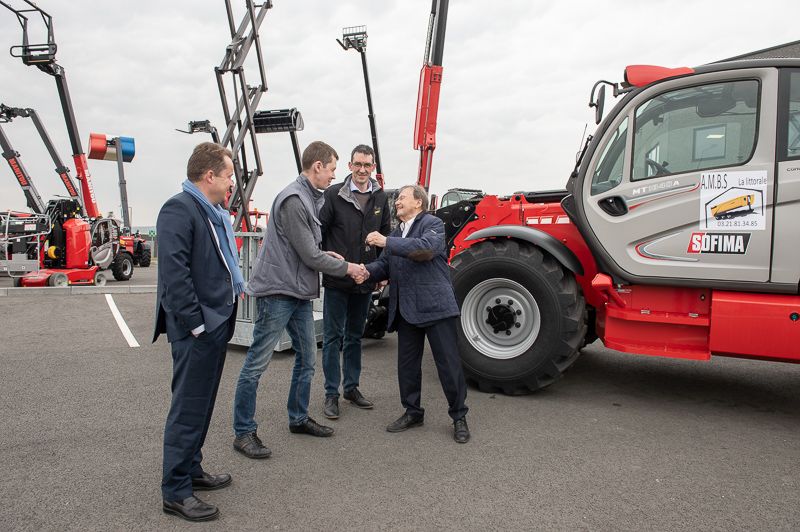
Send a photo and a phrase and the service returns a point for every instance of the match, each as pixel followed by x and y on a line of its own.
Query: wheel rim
pixel 61 280
pixel 500 318
pixel 127 267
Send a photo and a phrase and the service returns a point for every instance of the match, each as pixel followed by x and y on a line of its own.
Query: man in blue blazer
pixel 421 304
pixel 198 283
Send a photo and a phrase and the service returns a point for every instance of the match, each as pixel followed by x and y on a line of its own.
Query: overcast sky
pixel 514 99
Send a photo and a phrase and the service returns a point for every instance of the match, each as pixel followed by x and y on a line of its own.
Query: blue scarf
pixel 222 225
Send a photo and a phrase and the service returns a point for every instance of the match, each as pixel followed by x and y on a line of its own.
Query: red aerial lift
pixel 82 241
pixel 80 262
pixel 122 150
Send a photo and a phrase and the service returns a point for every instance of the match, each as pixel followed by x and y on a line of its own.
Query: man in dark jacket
pixel 351 211
pixel 198 281
pixel 421 304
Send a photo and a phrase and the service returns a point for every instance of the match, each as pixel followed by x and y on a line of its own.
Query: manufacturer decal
pixel 68 183
pixel 18 172
pixel 719 243
pixel 656 187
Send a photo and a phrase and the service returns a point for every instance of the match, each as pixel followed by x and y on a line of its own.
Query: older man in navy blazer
pixel 198 283
pixel 421 304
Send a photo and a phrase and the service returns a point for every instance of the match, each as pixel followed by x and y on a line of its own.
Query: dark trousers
pixel 443 339
pixel 196 370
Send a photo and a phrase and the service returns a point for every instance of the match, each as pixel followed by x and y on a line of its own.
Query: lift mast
pixel 430 83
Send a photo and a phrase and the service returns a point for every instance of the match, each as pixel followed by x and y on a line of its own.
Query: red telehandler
pixel 638 250
pixel 81 241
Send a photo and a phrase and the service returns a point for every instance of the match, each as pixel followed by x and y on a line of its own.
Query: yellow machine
pixel 729 208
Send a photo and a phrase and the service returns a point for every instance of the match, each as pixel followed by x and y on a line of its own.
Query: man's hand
pixel 376 239
pixel 358 272
pixel 365 274
pixel 334 255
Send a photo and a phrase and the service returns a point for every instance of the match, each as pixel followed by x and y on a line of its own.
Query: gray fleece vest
pixel 278 269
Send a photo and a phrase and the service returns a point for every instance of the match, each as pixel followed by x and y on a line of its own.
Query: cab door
pixel 103 247
pixel 683 186
pixel 786 251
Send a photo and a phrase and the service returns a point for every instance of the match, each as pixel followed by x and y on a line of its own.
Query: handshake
pixel 358 272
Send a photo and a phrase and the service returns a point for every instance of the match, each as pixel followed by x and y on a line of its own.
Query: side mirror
pixel 434 200
pixel 601 100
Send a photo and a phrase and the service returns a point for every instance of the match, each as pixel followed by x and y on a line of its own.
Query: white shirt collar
pixel 406 226
pixel 353 186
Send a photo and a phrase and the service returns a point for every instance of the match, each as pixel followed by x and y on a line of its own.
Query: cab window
pixel 695 128
pixel 793 115
pixel 608 172
pixel 99 237
pixel 449 199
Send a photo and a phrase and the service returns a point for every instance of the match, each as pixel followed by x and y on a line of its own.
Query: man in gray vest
pixel 285 278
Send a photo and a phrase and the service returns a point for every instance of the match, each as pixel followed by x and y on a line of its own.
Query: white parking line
pixel 123 327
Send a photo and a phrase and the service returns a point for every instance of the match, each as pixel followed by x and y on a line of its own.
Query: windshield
pixel 695 128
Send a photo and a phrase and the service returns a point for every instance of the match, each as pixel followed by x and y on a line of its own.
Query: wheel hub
pixel 500 318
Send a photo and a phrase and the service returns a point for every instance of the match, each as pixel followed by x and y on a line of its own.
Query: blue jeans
pixel 274 314
pixel 344 318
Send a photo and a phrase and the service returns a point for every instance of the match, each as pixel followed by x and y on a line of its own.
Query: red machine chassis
pixel 690 323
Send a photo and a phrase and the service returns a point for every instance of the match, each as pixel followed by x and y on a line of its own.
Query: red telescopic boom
pixel 430 82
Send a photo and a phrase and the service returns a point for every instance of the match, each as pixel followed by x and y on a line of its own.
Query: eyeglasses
pixel 365 166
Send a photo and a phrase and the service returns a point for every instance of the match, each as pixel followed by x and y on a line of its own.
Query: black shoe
pixel 405 422
pixel 191 509
pixel 311 427
pixel 461 430
pixel 355 397
pixel 331 407
pixel 251 446
pixel 208 482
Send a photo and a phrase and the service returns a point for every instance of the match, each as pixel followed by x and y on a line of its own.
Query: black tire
pixel 18 282
pixel 122 267
pixel 145 258
pixel 525 345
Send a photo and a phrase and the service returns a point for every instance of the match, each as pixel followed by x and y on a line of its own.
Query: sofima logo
pixel 726 243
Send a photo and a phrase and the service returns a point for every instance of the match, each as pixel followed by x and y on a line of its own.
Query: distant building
pixel 791 49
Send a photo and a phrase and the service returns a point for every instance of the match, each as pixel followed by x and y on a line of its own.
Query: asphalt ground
pixel 621 443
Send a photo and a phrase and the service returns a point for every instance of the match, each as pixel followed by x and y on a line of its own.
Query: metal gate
pixel 246 315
